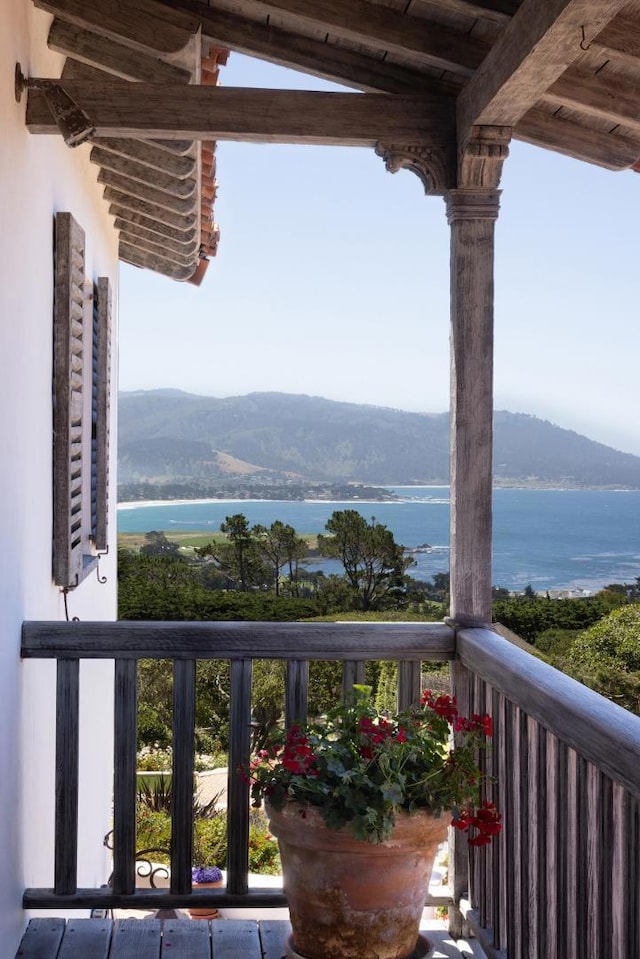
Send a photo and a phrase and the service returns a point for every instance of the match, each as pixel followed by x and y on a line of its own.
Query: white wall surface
pixel 40 176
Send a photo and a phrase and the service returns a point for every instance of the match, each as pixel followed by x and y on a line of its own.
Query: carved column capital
pixel 472 204
pixel 482 156
pixel 431 164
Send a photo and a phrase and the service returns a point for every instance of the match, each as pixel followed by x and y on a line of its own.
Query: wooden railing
pixel 563 882
pixel 126 642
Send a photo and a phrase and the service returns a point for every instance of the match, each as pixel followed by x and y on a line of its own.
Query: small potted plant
pixel 359 804
pixel 203 877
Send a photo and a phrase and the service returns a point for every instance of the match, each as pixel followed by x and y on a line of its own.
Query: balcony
pixel 562 882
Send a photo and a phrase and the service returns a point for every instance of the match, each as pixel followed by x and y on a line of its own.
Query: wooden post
pixel 472 210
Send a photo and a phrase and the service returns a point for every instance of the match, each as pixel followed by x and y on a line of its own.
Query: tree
pixel 239 557
pixel 157 544
pixel 280 546
pixel 607 657
pixel 374 564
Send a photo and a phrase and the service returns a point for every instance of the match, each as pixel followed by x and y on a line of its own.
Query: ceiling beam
pixel 143 24
pixel 115 58
pixel 159 179
pixel 146 110
pixel 601 95
pixel 608 150
pixel 258 39
pixel 150 155
pixel 368 23
pixel 534 49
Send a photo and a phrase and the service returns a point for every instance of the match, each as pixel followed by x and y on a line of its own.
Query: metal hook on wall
pixel 65 592
pixel 583 43
pixel 101 579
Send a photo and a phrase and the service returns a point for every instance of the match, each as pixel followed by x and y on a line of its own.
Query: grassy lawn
pixel 188 541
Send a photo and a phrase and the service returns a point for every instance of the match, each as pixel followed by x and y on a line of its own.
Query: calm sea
pixel 552 539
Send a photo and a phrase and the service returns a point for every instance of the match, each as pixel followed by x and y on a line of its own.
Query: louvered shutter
pixel 68 386
pixel 100 411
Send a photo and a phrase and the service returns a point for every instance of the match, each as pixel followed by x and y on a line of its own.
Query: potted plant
pixel 359 803
pixel 203 877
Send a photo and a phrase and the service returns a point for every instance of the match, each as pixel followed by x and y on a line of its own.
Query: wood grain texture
pixel 251 115
pixel 67 773
pixel 68 385
pixel 42 938
pixel 534 49
pixel 432 642
pixel 296 691
pixel 234 939
pixel 471 215
pixel 602 732
pixel 184 717
pixel 125 782
pixel 88 938
pixel 101 405
pixel 238 789
pixel 132 939
pixel 186 940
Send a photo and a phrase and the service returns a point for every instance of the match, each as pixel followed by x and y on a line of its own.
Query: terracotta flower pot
pixel 206 912
pixel 349 898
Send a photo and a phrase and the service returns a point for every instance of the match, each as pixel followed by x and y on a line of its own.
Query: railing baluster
pixel 124 776
pixel 238 790
pixel 536 794
pixel 409 680
pixel 296 691
pixel 555 813
pixel 67 758
pixel 352 674
pixel 459 878
pixel 499 765
pixel 184 714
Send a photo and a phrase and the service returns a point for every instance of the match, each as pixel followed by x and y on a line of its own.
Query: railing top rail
pixel 602 732
pixel 237 640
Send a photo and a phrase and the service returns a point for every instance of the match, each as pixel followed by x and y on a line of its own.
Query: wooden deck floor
pixel 53 938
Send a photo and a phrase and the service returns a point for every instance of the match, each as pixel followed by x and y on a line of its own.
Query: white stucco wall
pixel 40 176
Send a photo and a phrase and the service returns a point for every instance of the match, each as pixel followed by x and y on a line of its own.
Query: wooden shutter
pixel 101 388
pixel 68 386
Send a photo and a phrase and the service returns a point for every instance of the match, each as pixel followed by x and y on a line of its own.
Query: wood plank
pixel 149 110
pixel 316 57
pixel 433 642
pixel 88 938
pixel 152 211
pixel 144 25
pixel 133 939
pixel 137 234
pixel 183 741
pixel 602 732
pixel 621 868
pixel 189 238
pixel 145 899
pixel 601 95
pixel 352 674
pixel 157 179
pixel 238 938
pixel 388 29
pixel 114 58
pixel 554 813
pixel 238 789
pixel 534 49
pixel 138 257
pixel 409 684
pixel 135 244
pixel 274 934
pixel 296 691
pixel 186 940
pixel 152 194
pixel 41 939
pixel 125 780
pixel 150 155
pixel 67 776
pixel 608 150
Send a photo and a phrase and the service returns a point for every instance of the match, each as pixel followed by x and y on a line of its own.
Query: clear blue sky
pixel 332 279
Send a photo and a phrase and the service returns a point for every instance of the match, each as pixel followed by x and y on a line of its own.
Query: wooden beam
pixel 183 224
pixel 602 95
pixel 120 61
pixel 125 213
pixel 150 239
pixel 258 116
pixel 608 150
pixel 315 57
pixel 620 40
pixel 136 257
pixel 150 155
pixel 534 49
pixel 144 25
pixel 183 189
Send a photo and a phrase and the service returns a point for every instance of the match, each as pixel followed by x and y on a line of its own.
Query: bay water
pixel 552 539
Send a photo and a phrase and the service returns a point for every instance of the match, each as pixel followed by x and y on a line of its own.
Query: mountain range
pixel 170 435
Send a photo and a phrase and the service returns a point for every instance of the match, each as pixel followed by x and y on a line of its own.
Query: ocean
pixel 552 539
